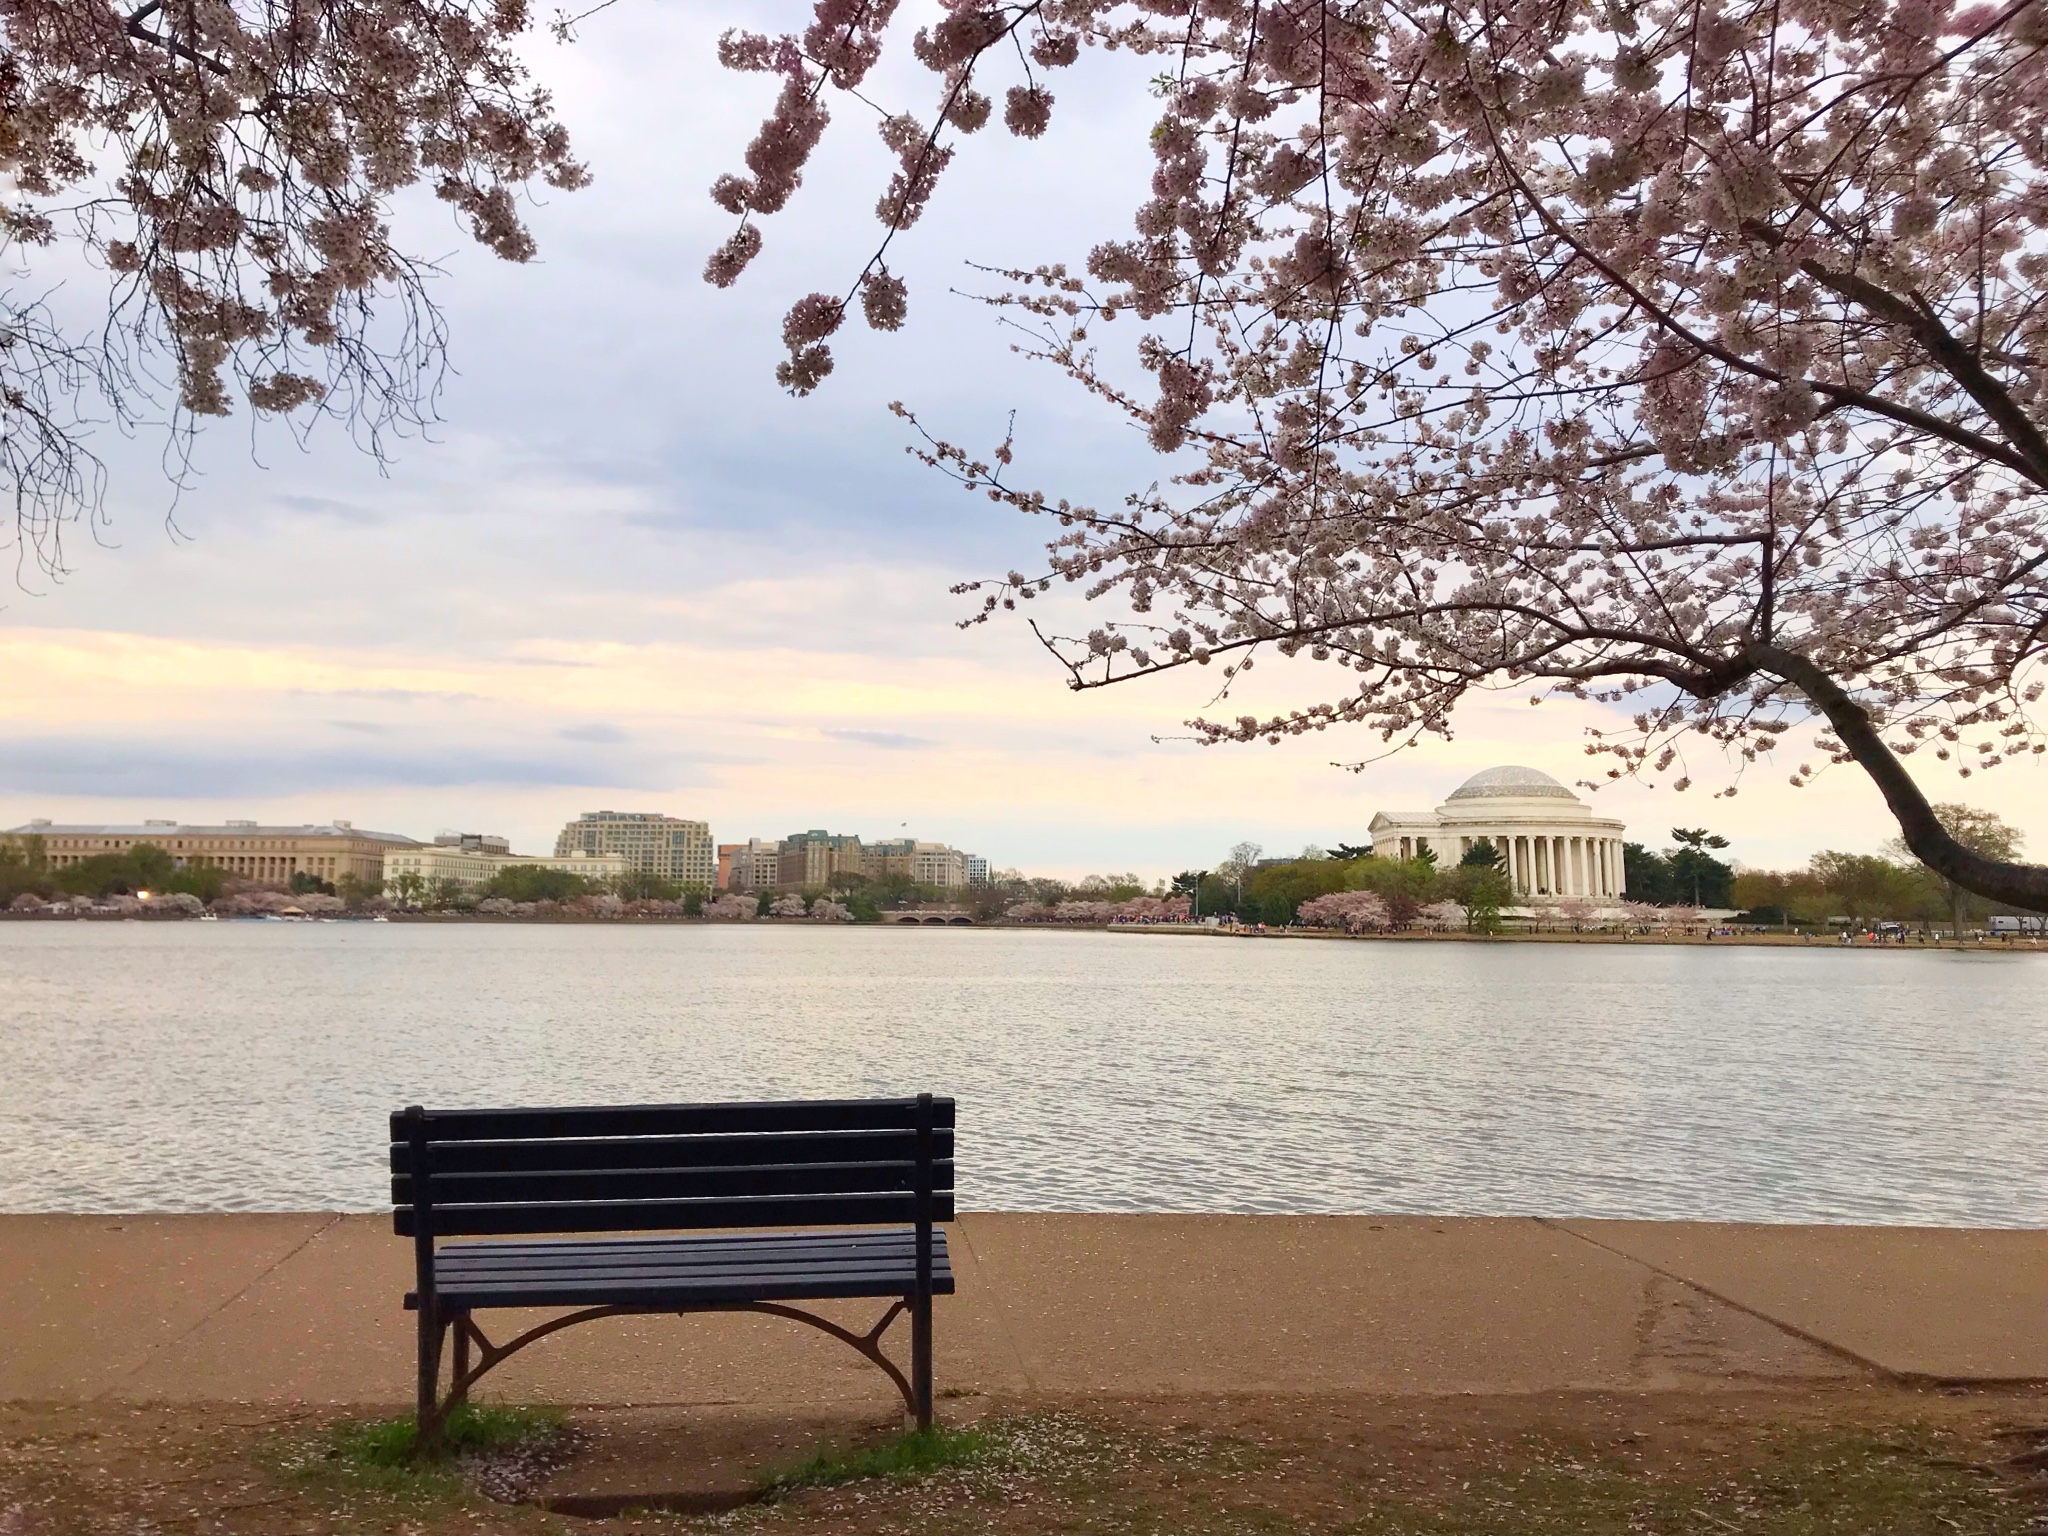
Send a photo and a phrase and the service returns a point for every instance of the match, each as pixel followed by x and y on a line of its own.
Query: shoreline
pixel 1987 945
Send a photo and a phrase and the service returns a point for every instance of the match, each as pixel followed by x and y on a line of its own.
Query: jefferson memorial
pixel 1552 842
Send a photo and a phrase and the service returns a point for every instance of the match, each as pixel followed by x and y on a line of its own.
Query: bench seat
pixel 720 1269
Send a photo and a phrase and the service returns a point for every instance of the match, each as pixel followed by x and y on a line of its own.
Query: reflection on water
pixel 250 1066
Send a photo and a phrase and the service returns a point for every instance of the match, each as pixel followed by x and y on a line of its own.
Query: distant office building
pixel 472 867
pixel 925 863
pixel 475 842
pixel 754 865
pixel 810 859
pixel 256 852
pixel 675 850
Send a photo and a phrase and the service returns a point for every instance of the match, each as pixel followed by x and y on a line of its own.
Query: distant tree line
pixel 1891 886
pixel 26 870
pixel 1254 889
pixel 1687 874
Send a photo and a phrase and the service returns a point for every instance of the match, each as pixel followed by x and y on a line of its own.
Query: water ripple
pixel 238 1067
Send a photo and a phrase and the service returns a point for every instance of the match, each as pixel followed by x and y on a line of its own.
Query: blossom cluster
pixel 1353 911
pixel 1137 909
pixel 835 52
pixel 230 165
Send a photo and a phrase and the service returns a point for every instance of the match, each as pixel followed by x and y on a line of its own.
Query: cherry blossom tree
pixel 1350 910
pixel 1643 914
pixel 1576 910
pixel 1439 916
pixel 1682 355
pixel 228 167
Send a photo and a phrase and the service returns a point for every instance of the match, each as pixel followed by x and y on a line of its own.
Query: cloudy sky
pixel 628 572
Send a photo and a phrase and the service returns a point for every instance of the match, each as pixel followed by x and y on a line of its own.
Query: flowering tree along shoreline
pixel 1683 354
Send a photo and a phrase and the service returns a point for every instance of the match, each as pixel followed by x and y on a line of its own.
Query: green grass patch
pixel 909 1456
pixel 470 1428
pixel 378 1456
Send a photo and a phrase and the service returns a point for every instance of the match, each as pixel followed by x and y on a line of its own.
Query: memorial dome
pixel 1549 839
pixel 1514 783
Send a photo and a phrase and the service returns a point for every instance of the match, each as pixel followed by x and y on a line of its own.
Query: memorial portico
pixel 1549 839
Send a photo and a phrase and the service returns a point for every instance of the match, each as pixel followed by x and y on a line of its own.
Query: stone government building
pixel 1553 843
pixel 333 851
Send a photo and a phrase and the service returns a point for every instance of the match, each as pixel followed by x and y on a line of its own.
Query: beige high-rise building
pixel 267 853
pixel 472 867
pixel 926 863
pixel 754 865
pixel 673 849
pixel 810 859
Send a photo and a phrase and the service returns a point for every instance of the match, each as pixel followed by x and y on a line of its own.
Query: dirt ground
pixel 1778 1463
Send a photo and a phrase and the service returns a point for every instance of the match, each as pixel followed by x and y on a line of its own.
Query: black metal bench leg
pixel 921 1358
pixel 428 1422
pixel 458 1384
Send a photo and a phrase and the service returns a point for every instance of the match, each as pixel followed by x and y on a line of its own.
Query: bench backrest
pixel 650 1167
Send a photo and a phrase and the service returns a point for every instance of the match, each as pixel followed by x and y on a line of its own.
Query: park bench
pixel 865 1180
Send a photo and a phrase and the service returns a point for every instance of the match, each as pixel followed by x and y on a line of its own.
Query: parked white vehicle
pixel 2007 922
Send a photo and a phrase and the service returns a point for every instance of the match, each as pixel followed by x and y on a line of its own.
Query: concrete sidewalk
pixel 305 1308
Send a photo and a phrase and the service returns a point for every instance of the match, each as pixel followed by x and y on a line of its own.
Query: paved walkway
pixel 305 1308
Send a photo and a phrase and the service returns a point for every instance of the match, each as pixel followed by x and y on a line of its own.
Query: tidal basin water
pixel 250 1066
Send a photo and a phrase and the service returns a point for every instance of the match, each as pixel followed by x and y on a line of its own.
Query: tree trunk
pixel 2020 885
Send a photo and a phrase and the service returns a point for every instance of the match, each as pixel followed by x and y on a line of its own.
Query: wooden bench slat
pixel 569 1254
pixel 597 1256
pixel 676 1119
pixel 887 1277
pixel 809 1237
pixel 653 1215
pixel 674 1183
pixel 665 1296
pixel 725 1260
pixel 723 1151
